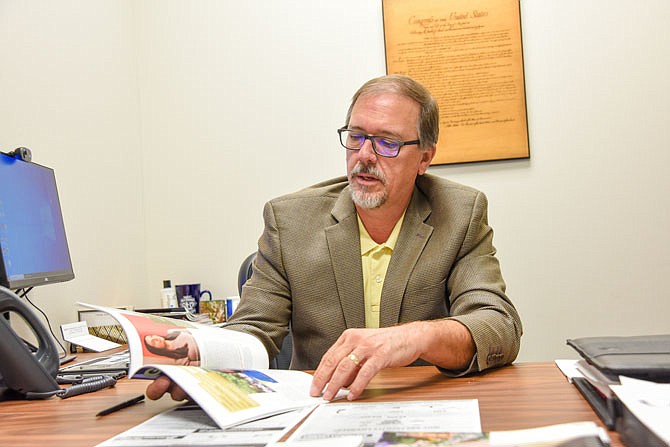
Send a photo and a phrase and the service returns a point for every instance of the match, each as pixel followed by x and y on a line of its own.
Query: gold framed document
pixel 468 53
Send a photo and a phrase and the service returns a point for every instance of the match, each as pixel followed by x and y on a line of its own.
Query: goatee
pixel 360 194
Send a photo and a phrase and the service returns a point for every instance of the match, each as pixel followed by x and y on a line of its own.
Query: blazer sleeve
pixel 477 296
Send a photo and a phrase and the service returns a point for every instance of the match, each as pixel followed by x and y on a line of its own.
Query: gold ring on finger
pixel 354 359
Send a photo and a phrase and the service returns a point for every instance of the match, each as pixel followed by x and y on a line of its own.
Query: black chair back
pixel 283 359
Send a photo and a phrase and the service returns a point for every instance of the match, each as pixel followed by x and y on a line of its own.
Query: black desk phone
pixel 23 372
pixel 32 375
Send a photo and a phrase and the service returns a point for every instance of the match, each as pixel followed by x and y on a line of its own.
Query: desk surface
pixel 514 397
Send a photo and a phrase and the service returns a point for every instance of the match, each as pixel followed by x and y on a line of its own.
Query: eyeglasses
pixel 384 146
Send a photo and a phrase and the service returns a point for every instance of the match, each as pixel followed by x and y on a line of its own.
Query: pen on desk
pixel 122 405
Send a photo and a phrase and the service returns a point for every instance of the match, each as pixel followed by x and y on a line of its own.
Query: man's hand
pixel 359 354
pixel 162 385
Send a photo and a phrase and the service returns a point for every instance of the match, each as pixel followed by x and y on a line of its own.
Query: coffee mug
pixel 188 296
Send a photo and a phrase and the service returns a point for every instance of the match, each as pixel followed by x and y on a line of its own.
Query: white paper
pixel 371 419
pixel 549 433
pixel 77 333
pixel 648 401
pixel 342 441
pixel 190 425
pixel 568 368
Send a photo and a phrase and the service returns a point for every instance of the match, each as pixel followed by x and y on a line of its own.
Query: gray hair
pixel 428 125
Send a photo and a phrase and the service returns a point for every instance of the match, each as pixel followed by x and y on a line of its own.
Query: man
pixel 386 267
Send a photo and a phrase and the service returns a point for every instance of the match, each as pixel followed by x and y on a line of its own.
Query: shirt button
pixel 378 279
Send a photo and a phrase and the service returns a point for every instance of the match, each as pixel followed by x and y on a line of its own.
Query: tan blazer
pixel 308 271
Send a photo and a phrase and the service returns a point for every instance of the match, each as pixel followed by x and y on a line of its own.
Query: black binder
pixel 644 357
pixel 604 407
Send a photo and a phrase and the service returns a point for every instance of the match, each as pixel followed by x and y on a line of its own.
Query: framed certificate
pixel 468 53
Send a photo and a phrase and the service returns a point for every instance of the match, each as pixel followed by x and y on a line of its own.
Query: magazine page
pixel 189 425
pixel 160 340
pixel 231 397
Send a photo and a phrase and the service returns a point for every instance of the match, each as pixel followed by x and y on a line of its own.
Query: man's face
pixel 375 180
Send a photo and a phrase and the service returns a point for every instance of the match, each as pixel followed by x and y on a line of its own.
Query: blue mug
pixel 188 296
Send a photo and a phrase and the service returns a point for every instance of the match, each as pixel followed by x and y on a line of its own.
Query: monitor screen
pixel 33 247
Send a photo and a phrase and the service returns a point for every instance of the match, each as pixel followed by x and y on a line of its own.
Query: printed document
pixel 190 425
pixel 371 419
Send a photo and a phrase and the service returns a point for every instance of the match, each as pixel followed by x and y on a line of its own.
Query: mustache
pixel 369 170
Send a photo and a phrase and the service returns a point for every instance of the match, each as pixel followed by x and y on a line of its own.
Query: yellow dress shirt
pixel 375 259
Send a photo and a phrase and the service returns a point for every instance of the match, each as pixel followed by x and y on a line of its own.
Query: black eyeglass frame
pixel 401 143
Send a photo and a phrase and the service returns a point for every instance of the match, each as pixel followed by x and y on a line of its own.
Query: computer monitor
pixel 33 246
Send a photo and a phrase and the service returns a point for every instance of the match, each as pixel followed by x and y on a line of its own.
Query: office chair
pixel 283 359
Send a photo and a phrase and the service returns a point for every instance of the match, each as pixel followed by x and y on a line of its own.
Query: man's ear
pixel 427 155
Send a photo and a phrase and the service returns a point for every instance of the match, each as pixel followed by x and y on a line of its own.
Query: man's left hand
pixel 358 355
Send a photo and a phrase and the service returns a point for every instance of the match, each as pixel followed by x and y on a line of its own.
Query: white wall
pixel 69 92
pixel 170 123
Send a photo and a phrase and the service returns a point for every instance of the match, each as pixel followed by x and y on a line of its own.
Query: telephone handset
pixel 31 375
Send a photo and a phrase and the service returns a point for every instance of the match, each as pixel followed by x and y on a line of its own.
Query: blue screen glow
pixel 32 234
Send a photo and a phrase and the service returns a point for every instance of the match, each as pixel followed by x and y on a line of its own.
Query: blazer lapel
pixel 345 254
pixel 413 237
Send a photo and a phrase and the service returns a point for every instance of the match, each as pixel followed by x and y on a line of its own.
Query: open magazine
pixel 225 372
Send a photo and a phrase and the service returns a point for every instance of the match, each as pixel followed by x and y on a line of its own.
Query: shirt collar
pixel 368 244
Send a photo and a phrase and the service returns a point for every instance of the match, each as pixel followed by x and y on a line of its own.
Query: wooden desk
pixel 519 396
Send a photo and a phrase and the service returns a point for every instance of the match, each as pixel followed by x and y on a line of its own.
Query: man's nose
pixel 367 153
